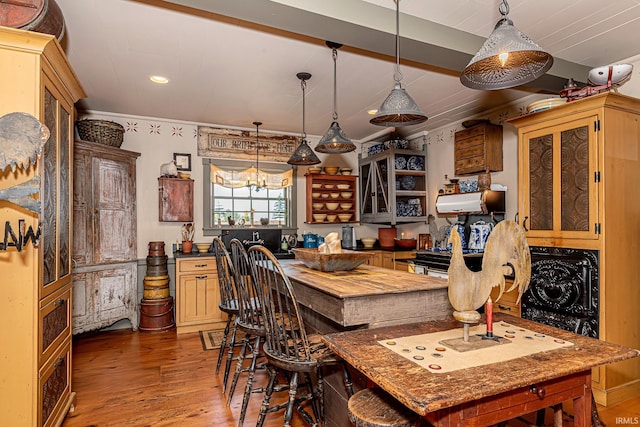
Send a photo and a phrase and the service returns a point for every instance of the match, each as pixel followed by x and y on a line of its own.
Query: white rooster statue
pixel 506 252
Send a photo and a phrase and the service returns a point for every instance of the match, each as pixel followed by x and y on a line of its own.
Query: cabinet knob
pixel 540 392
pixel 524 223
pixel 202 277
pixel 201 265
pixel 504 307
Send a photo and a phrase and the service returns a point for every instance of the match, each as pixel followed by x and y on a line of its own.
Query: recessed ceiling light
pixel 372 112
pixel 159 79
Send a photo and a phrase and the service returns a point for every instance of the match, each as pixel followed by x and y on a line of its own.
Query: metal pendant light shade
pixel 398 109
pixel 508 58
pixel 334 140
pixel 303 155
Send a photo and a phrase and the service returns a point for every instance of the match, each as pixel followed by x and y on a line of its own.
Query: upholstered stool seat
pixel 373 407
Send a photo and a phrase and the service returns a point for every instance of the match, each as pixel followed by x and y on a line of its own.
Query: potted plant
pixel 187 232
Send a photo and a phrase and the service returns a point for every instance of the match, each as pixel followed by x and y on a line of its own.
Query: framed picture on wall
pixel 183 161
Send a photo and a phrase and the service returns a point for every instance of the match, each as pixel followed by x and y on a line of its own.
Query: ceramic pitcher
pixel 480 231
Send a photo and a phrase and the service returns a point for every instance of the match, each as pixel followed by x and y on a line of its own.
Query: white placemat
pixel 431 352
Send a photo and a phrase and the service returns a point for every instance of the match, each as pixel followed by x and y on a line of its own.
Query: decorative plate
pixel 408 182
pixel 415 163
pixel 401 162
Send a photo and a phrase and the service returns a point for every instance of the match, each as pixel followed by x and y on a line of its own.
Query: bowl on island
pixel 346 260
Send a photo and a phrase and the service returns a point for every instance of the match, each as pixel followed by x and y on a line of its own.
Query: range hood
pixel 484 202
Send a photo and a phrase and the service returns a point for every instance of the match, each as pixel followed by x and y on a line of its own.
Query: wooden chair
pixel 228 304
pixel 249 321
pixel 288 348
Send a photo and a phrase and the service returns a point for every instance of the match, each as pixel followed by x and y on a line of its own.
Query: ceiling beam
pixel 371 28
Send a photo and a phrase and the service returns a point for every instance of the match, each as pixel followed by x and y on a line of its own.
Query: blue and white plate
pixel 401 162
pixel 415 163
pixel 408 182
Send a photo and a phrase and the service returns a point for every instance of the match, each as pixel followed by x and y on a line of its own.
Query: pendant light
pixel 259 183
pixel 303 155
pixel 507 58
pixel 335 141
pixel 398 109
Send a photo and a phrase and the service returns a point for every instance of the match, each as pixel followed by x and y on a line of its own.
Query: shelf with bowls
pixel 331 198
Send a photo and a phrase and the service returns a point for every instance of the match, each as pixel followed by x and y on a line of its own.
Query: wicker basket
pixel 101 131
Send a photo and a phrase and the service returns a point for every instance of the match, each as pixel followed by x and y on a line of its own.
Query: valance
pixel 231 178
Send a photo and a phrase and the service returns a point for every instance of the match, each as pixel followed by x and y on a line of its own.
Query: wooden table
pixel 367 296
pixel 486 394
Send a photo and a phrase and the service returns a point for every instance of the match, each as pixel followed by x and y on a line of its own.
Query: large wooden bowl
pixel 347 260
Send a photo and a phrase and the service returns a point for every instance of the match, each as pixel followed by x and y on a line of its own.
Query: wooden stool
pixel 373 407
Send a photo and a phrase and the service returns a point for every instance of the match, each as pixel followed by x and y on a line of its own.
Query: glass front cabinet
pixel 393 186
pixel 559 178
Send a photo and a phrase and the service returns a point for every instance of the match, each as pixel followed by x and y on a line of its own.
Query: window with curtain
pixel 224 199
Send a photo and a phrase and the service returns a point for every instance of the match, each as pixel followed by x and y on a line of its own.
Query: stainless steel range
pixel 436 263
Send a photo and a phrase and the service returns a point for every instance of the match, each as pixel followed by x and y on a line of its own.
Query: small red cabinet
pixel 175 202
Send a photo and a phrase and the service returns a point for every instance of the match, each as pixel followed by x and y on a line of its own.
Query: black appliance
pixel 269 238
pixel 564 289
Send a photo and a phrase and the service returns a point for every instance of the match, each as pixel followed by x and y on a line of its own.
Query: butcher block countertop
pixel 367 296
pixel 425 392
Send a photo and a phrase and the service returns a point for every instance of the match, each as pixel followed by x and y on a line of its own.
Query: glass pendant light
pixel 507 58
pixel 398 109
pixel 335 141
pixel 303 155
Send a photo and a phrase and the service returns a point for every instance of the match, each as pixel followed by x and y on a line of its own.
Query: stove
pixel 436 261
pixel 269 238
pixel 564 289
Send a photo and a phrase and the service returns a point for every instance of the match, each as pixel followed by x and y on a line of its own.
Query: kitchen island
pixel 363 298
pixel 366 297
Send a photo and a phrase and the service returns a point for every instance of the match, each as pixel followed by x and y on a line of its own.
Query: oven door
pixel 418 267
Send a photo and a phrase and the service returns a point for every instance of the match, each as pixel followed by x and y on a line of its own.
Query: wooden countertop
pixel 366 297
pixel 425 392
pixel 364 281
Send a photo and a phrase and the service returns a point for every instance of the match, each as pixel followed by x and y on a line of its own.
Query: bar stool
pixel 288 348
pixel 249 321
pixel 228 304
pixel 373 407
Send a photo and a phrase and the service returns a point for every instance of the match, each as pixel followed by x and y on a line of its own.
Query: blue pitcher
pixel 309 240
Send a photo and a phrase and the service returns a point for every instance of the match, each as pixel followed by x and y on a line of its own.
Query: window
pixel 278 206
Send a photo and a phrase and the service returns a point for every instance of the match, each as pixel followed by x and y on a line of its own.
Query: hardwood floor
pixel 125 378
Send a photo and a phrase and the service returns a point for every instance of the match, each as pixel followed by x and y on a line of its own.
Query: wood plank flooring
pixel 125 378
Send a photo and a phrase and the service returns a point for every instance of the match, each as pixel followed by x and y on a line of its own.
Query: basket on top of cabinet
pixel 331 199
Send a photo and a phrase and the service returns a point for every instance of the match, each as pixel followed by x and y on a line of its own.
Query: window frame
pixel 213 229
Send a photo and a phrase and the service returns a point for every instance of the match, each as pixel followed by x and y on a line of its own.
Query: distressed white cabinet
pixel 104 243
pixel 102 296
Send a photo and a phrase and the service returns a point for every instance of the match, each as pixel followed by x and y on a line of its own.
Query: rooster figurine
pixel 506 252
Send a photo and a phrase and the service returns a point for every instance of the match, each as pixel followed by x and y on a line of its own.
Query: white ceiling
pixel 232 62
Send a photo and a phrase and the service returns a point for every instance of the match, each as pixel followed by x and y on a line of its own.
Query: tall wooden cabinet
pixel 579 169
pixel 105 240
pixel 35 302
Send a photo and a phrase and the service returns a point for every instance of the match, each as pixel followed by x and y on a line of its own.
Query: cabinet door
pixel 376 202
pixel 558 180
pixel 114 236
pixel 198 298
pixel 56 192
pixel 175 200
